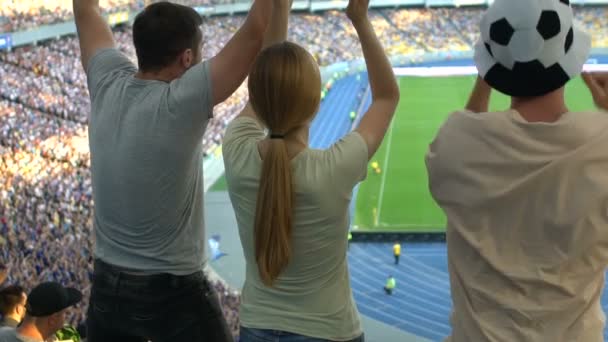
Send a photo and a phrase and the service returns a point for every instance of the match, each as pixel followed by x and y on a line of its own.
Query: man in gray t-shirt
pixel 145 134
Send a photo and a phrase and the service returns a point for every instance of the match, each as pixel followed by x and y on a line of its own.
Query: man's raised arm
pixel 231 65
pixel 93 31
pixel 276 33
pixel 279 22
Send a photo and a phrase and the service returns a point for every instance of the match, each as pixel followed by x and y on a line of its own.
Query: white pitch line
pixel 385 166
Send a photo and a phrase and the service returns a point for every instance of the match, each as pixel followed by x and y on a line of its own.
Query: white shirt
pixel 527 234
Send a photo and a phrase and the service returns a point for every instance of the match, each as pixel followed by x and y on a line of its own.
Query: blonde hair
pixel 284 90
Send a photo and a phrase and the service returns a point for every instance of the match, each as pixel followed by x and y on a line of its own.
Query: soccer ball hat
pixel 530 47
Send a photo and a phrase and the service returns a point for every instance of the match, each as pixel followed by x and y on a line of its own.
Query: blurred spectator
pixel 46 307
pixel 592 20
pixel 3 268
pixel 12 306
pixel 20 15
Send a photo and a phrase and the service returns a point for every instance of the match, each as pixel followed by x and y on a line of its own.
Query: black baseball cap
pixel 49 298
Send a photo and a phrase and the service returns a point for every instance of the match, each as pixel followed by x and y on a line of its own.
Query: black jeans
pixel 158 308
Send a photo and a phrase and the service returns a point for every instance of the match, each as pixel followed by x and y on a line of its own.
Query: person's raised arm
pixel 276 33
pixel 385 91
pixel 231 65
pixel 93 31
pixel 598 85
pixel 480 97
pixel 279 21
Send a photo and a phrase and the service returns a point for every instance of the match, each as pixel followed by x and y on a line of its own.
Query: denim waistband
pixel 107 275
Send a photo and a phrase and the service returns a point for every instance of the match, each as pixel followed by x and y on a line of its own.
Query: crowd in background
pixel 45 189
pixel 22 15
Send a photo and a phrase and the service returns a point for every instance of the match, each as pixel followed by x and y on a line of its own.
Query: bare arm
pixel 93 31
pixel 277 29
pixel 231 65
pixel 480 97
pixel 385 92
pixel 276 33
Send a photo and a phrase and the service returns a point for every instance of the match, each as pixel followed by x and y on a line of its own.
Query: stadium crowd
pixel 21 15
pixel 45 189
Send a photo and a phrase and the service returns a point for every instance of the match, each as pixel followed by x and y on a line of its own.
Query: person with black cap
pixel 45 313
pixel 525 190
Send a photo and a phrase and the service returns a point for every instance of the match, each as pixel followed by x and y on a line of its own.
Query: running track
pixel 421 304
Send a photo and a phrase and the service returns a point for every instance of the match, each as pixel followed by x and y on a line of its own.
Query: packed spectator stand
pixel 21 15
pixel 45 190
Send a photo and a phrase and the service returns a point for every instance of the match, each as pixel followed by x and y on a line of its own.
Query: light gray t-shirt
pixel 10 335
pixel 146 162
pixel 312 296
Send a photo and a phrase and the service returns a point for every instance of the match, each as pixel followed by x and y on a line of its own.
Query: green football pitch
pixel 398 199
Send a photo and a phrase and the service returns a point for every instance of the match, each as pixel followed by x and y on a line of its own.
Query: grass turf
pixel 398 199
pixel 220 185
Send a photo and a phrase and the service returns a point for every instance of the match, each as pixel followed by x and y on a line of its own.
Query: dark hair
pixel 162 31
pixel 10 297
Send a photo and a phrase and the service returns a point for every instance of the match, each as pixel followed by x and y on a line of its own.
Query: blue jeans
pixel 264 335
pixel 159 308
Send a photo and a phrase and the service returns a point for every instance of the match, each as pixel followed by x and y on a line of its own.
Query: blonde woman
pixel 291 202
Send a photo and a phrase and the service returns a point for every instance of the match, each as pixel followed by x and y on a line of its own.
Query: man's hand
pixel 232 64
pixel 357 10
pixel 598 85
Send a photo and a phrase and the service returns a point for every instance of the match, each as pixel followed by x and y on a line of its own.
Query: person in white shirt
pixel 291 202
pixel 525 192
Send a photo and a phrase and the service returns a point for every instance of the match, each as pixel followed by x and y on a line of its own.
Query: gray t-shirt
pixel 146 162
pixel 10 335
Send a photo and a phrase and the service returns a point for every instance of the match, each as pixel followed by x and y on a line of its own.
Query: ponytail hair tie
pixel 277 136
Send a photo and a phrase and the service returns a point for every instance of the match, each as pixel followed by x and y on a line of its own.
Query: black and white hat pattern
pixel 530 47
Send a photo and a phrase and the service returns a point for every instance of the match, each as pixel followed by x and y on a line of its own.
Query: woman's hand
pixel 356 10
